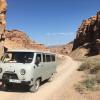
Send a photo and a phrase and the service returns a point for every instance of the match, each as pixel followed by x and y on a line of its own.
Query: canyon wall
pixel 88 35
pixel 3 7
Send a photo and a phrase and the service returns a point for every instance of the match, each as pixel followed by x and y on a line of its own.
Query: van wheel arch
pixel 36 85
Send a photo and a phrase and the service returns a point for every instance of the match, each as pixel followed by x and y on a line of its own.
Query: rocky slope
pixel 88 35
pixel 18 39
pixel 62 49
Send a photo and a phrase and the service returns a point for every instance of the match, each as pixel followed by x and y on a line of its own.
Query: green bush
pixel 84 66
pixel 88 83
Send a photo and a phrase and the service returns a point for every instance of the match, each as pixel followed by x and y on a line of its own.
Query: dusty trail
pixel 49 90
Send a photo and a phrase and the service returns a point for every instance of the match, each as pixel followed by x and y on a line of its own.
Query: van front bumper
pixel 12 78
pixel 15 81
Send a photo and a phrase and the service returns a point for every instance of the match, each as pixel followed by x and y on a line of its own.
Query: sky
pixel 51 22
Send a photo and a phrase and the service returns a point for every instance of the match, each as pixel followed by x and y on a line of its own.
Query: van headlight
pixel 22 71
pixel 0 70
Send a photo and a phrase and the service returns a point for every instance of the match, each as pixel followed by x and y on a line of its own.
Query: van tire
pixel 35 87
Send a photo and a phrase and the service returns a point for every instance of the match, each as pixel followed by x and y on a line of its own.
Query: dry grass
pixel 91 68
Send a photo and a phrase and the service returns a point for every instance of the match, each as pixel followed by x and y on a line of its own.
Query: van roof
pixel 29 50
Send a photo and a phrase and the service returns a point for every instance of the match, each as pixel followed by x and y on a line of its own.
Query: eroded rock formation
pixel 88 35
pixel 3 6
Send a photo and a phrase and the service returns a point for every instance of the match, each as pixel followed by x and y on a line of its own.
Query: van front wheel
pixel 36 86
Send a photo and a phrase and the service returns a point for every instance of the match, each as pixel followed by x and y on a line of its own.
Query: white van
pixel 27 67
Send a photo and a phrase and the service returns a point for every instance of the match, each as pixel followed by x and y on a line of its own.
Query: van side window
pixel 38 59
pixel 44 60
pixel 53 57
pixel 48 58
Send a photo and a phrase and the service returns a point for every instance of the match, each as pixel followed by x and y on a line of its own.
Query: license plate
pixel 14 81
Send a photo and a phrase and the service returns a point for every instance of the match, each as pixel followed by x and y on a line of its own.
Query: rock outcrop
pixel 3 7
pixel 17 39
pixel 88 35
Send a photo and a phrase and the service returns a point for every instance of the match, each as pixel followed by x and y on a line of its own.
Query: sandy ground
pixel 69 92
pixel 55 90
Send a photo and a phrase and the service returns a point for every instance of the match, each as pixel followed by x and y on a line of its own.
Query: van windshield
pixel 18 57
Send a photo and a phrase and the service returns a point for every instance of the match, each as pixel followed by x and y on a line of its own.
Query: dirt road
pixel 49 90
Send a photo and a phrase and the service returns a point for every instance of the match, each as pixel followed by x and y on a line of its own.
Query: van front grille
pixel 7 76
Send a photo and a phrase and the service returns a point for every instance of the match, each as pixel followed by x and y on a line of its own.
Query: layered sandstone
pixel 18 39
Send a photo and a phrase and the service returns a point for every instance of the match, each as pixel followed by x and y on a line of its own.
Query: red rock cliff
pixel 88 34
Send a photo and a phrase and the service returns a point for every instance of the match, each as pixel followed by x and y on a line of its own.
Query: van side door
pixel 38 66
pixel 47 65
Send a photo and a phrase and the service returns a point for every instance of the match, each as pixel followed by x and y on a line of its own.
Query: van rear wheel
pixel 36 86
